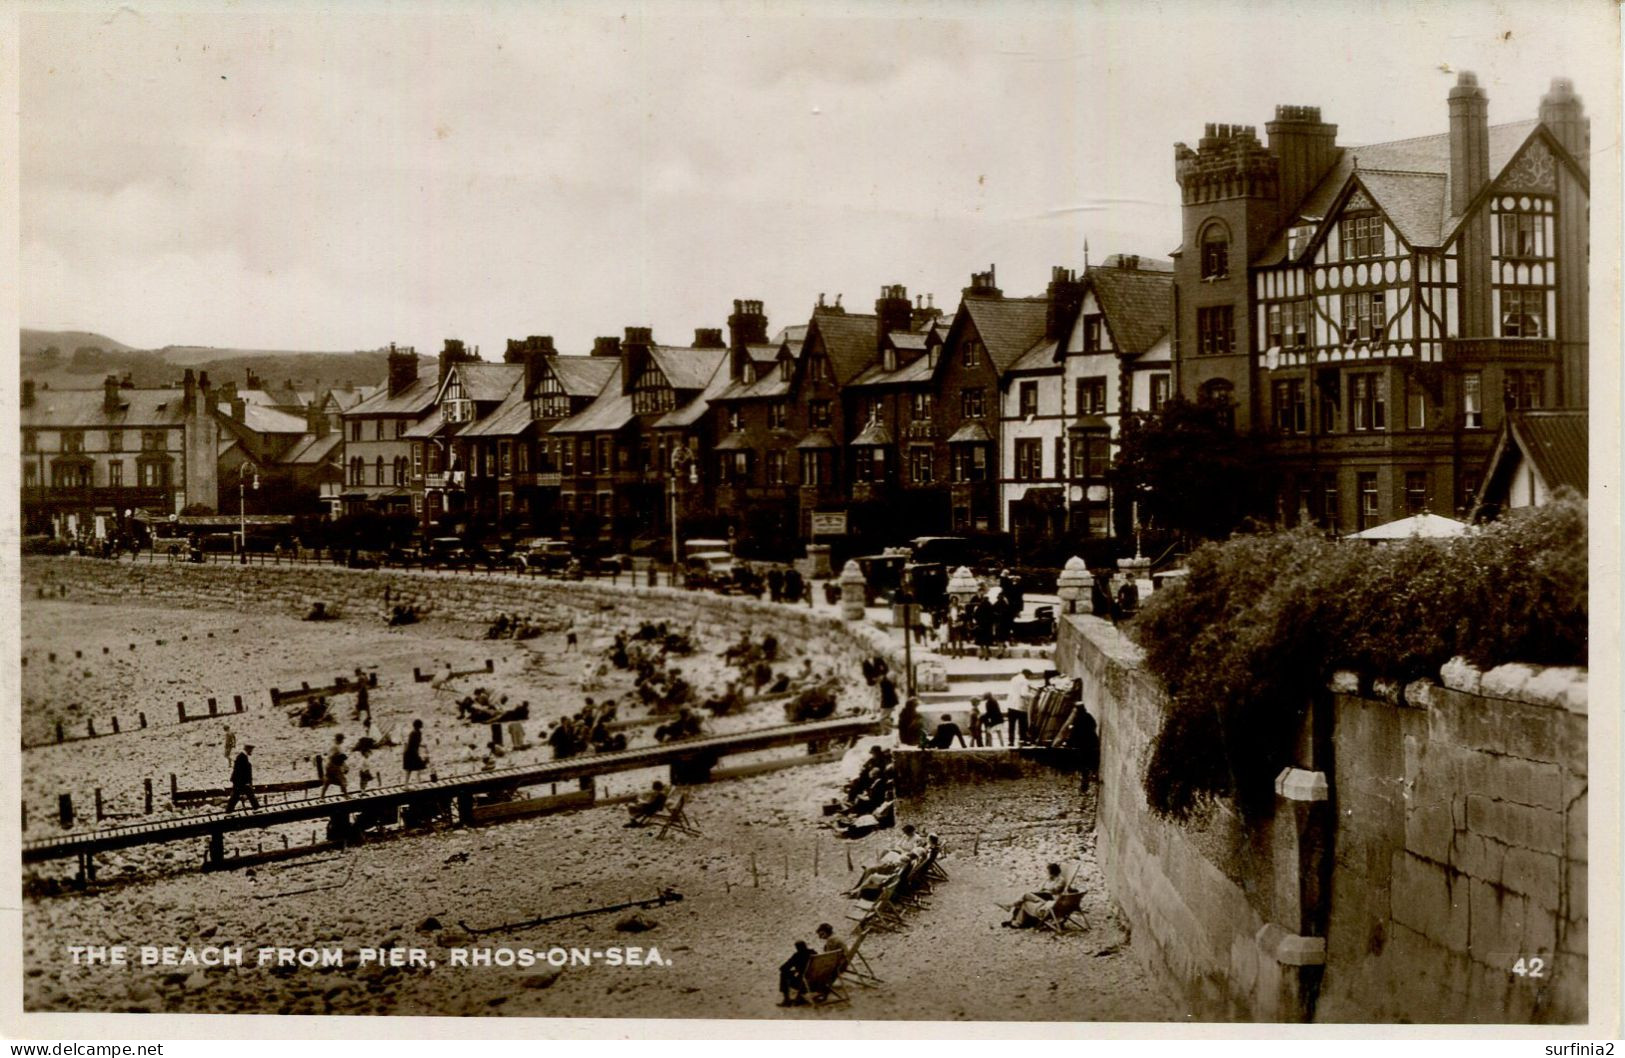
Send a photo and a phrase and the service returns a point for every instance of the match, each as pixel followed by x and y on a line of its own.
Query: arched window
pixel 1215 251
pixel 378 471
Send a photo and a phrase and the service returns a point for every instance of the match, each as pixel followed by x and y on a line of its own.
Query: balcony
pixel 1483 349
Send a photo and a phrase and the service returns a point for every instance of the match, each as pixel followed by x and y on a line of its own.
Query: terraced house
pixel 755 458
pixel 1379 310
pixel 383 466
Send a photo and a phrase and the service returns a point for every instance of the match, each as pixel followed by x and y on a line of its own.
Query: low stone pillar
pixel 1295 940
pixel 818 566
pixel 853 592
pixel 1073 587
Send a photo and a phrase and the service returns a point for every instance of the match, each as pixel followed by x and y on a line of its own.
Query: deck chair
pixel 882 913
pixel 676 818
pixel 857 964
pixel 934 870
pixel 823 977
pixel 912 887
pixel 1057 918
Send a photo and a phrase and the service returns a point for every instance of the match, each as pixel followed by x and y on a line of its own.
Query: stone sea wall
pixel 1439 839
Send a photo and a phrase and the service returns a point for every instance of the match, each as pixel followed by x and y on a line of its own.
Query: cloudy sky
pixel 343 176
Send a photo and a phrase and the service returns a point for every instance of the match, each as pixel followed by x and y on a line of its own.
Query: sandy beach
pixel 763 873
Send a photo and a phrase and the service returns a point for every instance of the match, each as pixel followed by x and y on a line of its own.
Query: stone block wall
pixel 1457 830
pixel 478 598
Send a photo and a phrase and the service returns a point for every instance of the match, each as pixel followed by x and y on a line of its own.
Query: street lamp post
pixel 242 510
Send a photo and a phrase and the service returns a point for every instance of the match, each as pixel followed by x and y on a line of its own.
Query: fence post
pixel 64 810
pixel 147 785
pixel 214 709
pixel 142 717
pixel 180 711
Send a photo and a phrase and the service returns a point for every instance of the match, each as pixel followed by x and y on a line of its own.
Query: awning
pixel 971 433
pixel 734 442
pixel 818 439
pixel 1089 423
pixel 352 495
pixel 1426 526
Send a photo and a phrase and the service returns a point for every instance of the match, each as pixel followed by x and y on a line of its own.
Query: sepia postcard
pixel 905 518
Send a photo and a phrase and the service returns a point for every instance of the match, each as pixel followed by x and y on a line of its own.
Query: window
pixel 606 455
pixel 1469 489
pixel 869 464
pixel 1368 401
pixel 567 456
pixel 1364 315
pixel 1291 411
pixel 378 471
pixel 115 440
pixel 378 430
pixel 736 420
pixel 154 475
pixel 786 369
pixel 1029 399
pixel 1367 484
pixel 73 440
pixel 1160 383
pixel 585 445
pixel 1523 312
pixel 523 452
pixel 888 360
pixel 1288 325
pixel 778 414
pixel 970 352
pixel 1029 459
pixel 400 428
pixel 30 441
pixel 1472 400
pixel 921 466
pixel 355 430
pixel 652 392
pixel 1091 455
pixel 1524 390
pixel 1221 394
pixel 812 468
pixel 505 459
pixel 733 468
pixel 1215 330
pixel 1416 491
pixel 818 414
pixel 1091 333
pixel 970 463
pixel 1330 504
pixel 153 441
pixel 1416 406
pixel 1215 253
pixel 970 402
pixel 1092 395
pixel 775 469
pixel 115 473
pixel 1362 236
pixel 490 452
pixel 357 471
pixel 1522 235
pixel 868 409
pixel 30 476
pixel 920 407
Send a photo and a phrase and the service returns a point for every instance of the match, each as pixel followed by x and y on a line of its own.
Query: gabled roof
pixel 608 412
pixel 849 339
pixel 793 336
pixel 1409 180
pixel 690 413
pixel 58 408
pixel 310 449
pixel 345 399
pixel 873 434
pixel 686 367
pixel 1558 443
pixel 1039 360
pixel 818 439
pixel 1138 305
pixel 582 376
pixel 970 433
pixel 910 340
pixel 917 370
pixel 484 382
pixel 262 419
pixel 1008 327
pixel 415 399
pixel 508 419
pixel 764 353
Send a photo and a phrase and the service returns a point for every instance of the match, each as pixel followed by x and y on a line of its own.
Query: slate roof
pixel 873 434
pixel 610 411
pixel 433 426
pixel 56 408
pixel 582 376
pixel 817 439
pixel 691 412
pixel 1558 443
pixel 1008 326
pixel 349 398
pixel 311 449
pixel 263 419
pixel 415 399
pixel 764 353
pixel 484 382
pixel 849 339
pixel 970 433
pixel 508 419
pixel 1409 180
pixel 910 340
pixel 1040 359
pixel 1138 305
pixel 915 371
pixel 738 441
pixel 686 367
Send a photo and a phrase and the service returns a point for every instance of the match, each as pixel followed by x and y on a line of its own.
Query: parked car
pixel 447 552
pixel 541 554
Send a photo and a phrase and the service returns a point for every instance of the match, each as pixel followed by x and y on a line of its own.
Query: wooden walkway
pixel 691 760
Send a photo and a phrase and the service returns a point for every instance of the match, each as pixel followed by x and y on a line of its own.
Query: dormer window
pixel 786 367
pixel 748 375
pixel 1215 252
pixel 888 360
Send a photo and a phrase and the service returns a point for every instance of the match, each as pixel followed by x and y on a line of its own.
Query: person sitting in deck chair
pixel 892 862
pixel 1031 908
pixel 645 807
pixel 792 975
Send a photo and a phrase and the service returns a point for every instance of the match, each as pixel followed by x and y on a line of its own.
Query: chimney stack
pixel 1562 113
pixel 983 285
pixel 708 338
pixel 453 353
pixel 316 420
pixel 28 393
pixel 893 312
pixel 610 346
pixel 403 368
pixel 110 394
pixel 189 392
pixel 1306 148
pixel 1469 141
pixel 1064 299
pixel 747 325
pixel 536 349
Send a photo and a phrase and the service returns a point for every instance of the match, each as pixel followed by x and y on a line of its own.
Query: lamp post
pixel 242 510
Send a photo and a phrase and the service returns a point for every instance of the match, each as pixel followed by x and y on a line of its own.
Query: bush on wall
pixel 1259 625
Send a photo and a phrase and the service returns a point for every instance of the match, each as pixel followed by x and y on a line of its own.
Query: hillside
pixel 36 341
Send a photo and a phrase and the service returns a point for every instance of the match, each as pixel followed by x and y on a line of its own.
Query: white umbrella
pixel 1427 525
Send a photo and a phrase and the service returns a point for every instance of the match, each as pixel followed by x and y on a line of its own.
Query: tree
pixel 1190 471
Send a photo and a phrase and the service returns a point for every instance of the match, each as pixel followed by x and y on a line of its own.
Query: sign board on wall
pixel 829 523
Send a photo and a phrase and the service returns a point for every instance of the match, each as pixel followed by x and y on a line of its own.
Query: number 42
pixel 1533 966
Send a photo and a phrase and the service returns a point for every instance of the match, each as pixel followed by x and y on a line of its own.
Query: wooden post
pixel 115 725
pixel 237 703
pixel 174 789
pixel 755 879
pixel 180 711
pixel 90 728
pixel 142 717
pixel 214 708
pixel 147 785
pixel 59 737
pixel 64 810
pixel 100 813
pixel 496 734
pixel 217 848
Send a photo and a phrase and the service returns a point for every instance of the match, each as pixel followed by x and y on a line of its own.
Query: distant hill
pixel 82 359
pixel 67 341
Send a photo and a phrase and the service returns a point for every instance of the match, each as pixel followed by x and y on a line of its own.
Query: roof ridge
pixel 1405 172
pixel 1434 135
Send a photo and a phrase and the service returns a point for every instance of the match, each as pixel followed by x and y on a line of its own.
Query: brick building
pixel 383 468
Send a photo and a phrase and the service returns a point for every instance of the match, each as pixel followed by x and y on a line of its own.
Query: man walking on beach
pixel 242 781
